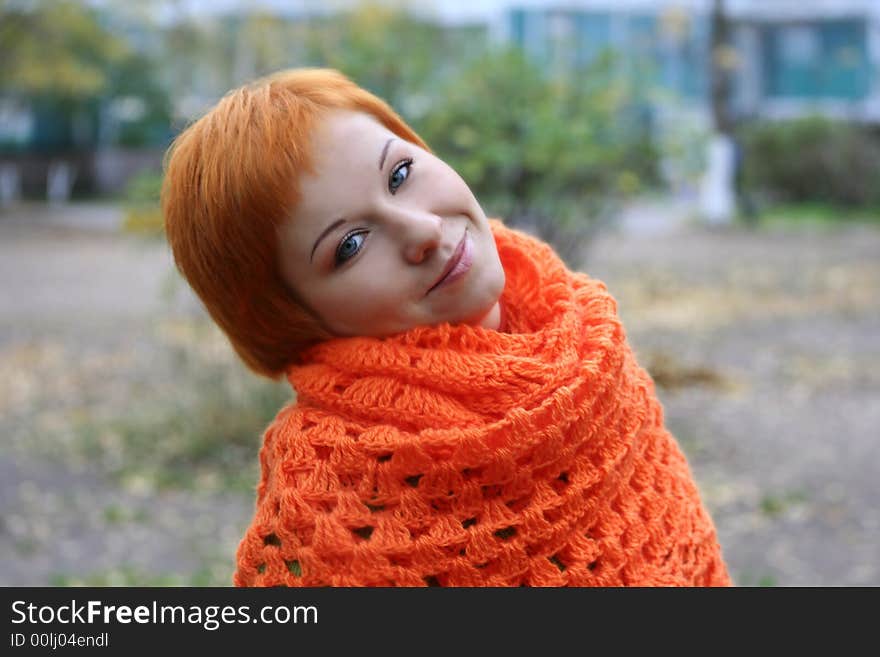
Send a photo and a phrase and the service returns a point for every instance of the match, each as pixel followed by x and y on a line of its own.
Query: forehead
pixel 345 147
pixel 354 134
pixel 345 150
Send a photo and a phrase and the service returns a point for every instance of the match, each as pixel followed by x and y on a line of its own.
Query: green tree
pixel 555 153
pixel 57 48
pixel 135 80
pixel 390 52
pixel 83 82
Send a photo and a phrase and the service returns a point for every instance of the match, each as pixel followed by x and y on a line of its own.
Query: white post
pixel 717 196
pixel 10 184
pixel 59 181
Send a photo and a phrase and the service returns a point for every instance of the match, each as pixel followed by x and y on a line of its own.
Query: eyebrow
pixel 384 153
pixel 327 230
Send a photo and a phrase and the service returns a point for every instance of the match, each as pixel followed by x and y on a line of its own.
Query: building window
pixel 798 46
pixel 821 60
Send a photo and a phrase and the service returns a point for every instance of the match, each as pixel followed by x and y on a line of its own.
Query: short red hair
pixel 231 180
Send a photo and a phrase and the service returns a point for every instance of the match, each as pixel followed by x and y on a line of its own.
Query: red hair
pixel 231 180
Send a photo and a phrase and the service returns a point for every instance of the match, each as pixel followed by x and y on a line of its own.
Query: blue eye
pixel 348 247
pixel 399 175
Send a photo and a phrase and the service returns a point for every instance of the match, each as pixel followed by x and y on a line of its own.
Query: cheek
pixel 445 180
pixel 458 183
pixel 454 183
pixel 360 295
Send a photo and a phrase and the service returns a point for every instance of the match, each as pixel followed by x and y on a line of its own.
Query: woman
pixel 468 411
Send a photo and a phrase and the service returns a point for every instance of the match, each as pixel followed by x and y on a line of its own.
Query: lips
pixel 453 261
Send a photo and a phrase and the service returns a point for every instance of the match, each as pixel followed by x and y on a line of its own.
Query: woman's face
pixel 377 225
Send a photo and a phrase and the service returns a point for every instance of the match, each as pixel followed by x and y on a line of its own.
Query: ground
pixel 763 343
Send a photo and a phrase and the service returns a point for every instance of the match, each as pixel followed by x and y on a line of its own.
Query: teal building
pixel 788 58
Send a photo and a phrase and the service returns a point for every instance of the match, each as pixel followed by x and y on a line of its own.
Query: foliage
pixel 135 80
pixel 56 59
pixel 814 160
pixel 680 137
pixel 553 153
pixel 817 216
pixel 143 213
pixel 144 188
pixel 203 56
pixel 55 48
pixel 83 82
pixel 390 52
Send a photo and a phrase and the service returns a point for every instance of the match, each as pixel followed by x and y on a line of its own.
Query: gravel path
pixel 784 438
pixel 764 346
pixel 83 334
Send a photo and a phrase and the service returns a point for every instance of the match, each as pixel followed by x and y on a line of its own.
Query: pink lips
pixel 459 264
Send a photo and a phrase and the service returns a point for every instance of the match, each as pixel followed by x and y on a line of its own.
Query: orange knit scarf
pixel 463 456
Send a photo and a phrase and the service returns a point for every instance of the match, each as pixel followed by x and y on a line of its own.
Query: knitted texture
pixel 462 456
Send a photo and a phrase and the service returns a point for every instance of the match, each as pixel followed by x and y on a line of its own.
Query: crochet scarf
pixel 457 455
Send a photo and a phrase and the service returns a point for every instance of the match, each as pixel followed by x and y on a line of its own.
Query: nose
pixel 419 232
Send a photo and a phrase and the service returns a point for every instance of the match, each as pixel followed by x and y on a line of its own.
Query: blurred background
pixel 716 163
